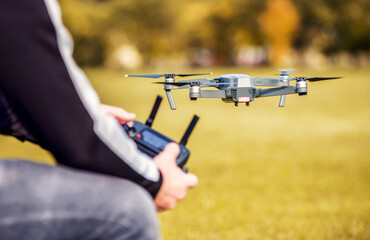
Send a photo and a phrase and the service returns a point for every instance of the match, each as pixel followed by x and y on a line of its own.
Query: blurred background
pixel 188 33
pixel 298 172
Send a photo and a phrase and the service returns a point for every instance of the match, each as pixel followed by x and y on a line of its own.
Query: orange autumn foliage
pixel 279 22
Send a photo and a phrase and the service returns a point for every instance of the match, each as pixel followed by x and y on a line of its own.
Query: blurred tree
pixel 222 28
pixel 96 26
pixel 219 26
pixel 332 26
pixel 247 28
pixel 163 28
pixel 146 23
pixel 86 21
pixel 279 22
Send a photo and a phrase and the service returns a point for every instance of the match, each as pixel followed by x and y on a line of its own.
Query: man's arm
pixel 54 100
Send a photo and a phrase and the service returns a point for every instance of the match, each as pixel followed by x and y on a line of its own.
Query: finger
pixel 192 180
pixel 167 204
pixel 171 150
pixel 124 116
pixel 120 114
pixel 166 207
pixel 159 209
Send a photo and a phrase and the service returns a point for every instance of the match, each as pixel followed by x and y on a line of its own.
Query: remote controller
pixel 151 142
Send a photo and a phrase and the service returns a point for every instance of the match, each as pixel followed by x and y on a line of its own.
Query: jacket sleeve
pixel 54 100
pixel 10 124
pixel 5 121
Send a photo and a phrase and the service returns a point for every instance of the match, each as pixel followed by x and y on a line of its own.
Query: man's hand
pixel 175 182
pixel 120 114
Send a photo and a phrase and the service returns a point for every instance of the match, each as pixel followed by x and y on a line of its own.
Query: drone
pixel 236 88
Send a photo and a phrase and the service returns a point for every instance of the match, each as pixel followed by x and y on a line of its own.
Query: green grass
pixel 299 172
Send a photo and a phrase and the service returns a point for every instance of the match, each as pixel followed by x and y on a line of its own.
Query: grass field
pixel 299 172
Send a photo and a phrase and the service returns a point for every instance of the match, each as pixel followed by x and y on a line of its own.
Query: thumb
pixel 192 180
pixel 123 116
pixel 120 114
pixel 171 150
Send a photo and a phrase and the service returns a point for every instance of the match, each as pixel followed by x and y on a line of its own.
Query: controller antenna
pixel 150 120
pixel 186 136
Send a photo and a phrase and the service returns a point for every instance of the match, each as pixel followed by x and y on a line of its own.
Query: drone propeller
pixel 146 75
pixel 288 71
pixel 193 74
pixel 189 82
pixel 166 75
pixel 315 79
pixel 285 71
pixel 173 83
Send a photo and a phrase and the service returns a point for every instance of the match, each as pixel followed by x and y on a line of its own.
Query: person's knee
pixel 82 202
pixel 135 209
pixel 127 209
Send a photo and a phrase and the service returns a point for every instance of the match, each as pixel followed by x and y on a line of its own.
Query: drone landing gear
pixel 236 104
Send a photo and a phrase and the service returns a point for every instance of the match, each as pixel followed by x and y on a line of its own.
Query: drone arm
pixel 261 81
pixel 212 94
pixel 276 91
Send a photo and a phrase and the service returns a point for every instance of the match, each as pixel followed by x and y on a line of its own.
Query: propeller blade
pixel 193 74
pixel 173 83
pixel 315 79
pixel 146 75
pixel 288 71
pixel 214 84
pixel 185 82
pixel 167 75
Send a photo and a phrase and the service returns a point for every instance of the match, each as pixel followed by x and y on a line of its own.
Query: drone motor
pixel 194 90
pixel 301 86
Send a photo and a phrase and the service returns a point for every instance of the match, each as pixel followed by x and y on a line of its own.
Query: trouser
pixel 40 202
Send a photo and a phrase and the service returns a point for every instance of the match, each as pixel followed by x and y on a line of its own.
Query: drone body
pixel 236 88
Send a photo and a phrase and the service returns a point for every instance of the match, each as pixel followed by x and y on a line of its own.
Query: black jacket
pixel 47 99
